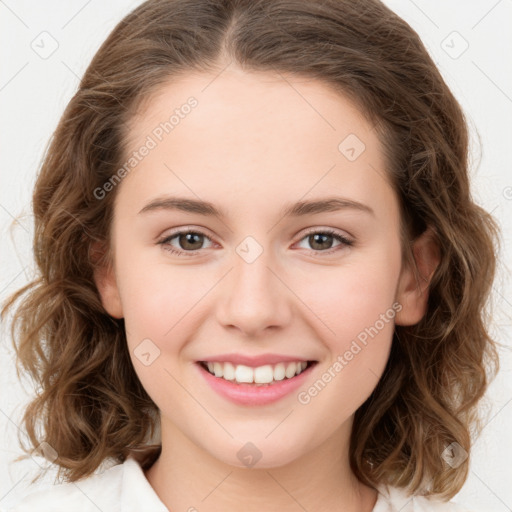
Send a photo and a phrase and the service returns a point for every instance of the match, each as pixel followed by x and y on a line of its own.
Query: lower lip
pixel 251 394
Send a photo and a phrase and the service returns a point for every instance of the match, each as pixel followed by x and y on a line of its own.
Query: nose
pixel 254 297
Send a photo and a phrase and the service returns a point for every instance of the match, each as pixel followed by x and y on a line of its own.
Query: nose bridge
pixel 255 298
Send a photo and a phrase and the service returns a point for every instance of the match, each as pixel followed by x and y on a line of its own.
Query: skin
pixel 255 142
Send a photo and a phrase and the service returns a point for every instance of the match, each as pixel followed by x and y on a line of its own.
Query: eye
pixel 322 240
pixel 189 242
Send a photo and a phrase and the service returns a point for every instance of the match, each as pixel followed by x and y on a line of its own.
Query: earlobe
pixel 414 282
pixel 105 280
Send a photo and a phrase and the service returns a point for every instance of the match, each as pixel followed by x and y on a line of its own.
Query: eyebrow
pixel 300 208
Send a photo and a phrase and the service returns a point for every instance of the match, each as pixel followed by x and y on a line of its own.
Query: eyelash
pixel 337 236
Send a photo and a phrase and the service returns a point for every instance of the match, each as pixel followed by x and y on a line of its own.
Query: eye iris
pixel 187 239
pixel 318 238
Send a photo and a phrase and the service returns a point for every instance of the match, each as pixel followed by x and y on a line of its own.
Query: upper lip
pixel 253 361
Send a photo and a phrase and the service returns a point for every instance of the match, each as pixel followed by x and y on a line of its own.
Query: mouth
pixel 261 376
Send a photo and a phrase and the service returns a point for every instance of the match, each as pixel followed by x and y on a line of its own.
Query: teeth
pixel 218 369
pixel 263 374
pixel 279 371
pixel 259 375
pixel 228 371
pixel 244 374
pixel 291 368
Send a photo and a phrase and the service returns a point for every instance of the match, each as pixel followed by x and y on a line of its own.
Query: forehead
pixel 243 104
pixel 254 133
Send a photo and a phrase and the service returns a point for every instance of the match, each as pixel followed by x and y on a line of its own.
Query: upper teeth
pixel 259 375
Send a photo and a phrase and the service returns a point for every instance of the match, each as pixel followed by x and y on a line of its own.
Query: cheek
pixel 356 328
pixel 159 311
pixel 154 294
pixel 355 307
pixel 349 298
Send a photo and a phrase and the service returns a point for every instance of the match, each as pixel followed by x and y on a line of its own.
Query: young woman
pixel 262 278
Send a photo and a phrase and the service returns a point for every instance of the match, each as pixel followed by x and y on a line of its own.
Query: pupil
pixel 317 239
pixel 188 240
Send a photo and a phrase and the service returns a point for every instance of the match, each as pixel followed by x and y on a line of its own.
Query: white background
pixel 34 92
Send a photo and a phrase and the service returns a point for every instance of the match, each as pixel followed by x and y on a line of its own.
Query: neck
pixel 186 477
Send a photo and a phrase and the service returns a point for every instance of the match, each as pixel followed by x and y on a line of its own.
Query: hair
pixel 89 403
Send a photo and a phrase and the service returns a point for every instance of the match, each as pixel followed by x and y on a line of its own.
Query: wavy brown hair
pixel 90 404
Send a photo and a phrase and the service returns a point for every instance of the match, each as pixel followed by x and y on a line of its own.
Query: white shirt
pixel 124 488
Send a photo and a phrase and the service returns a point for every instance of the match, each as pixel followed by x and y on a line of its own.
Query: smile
pixel 254 386
pixel 266 374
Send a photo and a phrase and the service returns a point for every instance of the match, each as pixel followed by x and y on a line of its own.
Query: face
pixel 323 284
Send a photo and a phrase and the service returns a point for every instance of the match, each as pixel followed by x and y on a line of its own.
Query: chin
pixel 260 453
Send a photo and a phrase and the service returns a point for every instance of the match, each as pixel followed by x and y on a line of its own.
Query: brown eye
pixel 319 241
pixel 322 241
pixel 189 243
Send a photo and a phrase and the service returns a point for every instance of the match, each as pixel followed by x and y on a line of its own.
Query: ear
pixel 105 280
pixel 412 290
